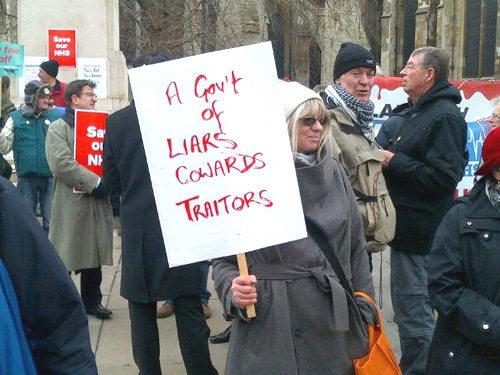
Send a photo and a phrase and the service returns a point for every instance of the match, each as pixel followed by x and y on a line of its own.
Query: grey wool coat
pixel 306 323
pixel 81 227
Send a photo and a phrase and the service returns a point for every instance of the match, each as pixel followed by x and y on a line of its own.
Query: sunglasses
pixel 310 121
pixel 494 117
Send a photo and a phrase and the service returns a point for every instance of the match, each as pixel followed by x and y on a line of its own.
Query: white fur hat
pixel 294 94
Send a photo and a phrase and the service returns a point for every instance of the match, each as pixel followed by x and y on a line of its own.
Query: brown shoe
pixel 165 311
pixel 207 311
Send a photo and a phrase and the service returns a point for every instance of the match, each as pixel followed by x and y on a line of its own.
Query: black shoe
pixel 99 311
pixel 221 337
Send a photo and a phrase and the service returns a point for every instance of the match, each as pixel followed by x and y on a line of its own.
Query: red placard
pixel 89 137
pixel 62 47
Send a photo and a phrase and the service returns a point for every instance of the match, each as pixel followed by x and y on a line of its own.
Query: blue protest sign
pixel 11 60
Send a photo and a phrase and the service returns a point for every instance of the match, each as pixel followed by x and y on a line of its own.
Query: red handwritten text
pixel 219 168
pixel 203 91
pixel 226 204
pixel 195 145
pixel 174 93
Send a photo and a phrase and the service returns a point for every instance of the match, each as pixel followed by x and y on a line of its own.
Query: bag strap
pixel 365 198
pixel 320 239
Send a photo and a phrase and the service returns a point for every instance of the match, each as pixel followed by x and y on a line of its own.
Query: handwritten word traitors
pixel 227 204
pixel 199 145
pixel 241 164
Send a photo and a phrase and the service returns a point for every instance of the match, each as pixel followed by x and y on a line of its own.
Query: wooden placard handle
pixel 243 267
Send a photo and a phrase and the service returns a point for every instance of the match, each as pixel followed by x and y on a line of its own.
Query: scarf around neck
pixel 360 112
pixel 307 159
pixel 493 192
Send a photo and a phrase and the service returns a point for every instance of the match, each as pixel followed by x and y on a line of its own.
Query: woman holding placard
pixel 306 321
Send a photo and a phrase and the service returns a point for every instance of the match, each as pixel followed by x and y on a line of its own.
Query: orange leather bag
pixel 380 359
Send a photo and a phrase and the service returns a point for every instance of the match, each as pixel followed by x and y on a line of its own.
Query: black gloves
pixel 100 192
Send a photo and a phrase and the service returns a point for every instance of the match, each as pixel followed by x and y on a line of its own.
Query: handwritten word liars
pixel 199 145
pixel 196 209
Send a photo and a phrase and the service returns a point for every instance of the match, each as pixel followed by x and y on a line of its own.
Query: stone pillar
pixel 388 45
pixel 97 29
pixel 421 24
pixel 450 31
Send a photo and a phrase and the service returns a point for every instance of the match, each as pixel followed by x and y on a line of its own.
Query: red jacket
pixel 58 94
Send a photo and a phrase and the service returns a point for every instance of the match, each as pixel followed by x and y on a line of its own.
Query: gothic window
pixel 277 38
pixel 411 7
pixel 480 38
pixel 314 63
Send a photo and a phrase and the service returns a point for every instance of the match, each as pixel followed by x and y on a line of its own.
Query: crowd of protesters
pixel 360 192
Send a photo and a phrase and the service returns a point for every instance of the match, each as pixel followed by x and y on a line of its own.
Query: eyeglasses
pixel 494 117
pixel 310 121
pixel 89 95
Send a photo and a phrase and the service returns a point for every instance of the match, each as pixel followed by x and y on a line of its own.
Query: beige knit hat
pixel 294 94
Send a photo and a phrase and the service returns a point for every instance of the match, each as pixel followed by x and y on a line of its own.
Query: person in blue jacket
pixel 49 318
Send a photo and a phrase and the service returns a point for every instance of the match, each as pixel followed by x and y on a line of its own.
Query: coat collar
pixel 69 117
pixel 480 215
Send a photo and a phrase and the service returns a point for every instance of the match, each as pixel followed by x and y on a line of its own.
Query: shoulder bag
pixel 380 359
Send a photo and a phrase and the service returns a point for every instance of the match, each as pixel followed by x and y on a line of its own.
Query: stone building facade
pixel 468 29
pixel 96 23
pixel 306 34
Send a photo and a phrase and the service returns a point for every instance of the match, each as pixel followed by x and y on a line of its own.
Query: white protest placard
pixel 218 153
pixel 95 70
pixel 30 72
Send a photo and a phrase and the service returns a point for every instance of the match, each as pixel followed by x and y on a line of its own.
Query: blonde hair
pixel 310 108
pixel 495 102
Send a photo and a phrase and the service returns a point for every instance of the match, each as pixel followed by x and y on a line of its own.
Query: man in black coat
pixel 146 276
pixel 422 168
pixel 52 312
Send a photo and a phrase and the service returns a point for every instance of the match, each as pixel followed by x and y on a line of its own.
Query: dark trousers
pixel 90 286
pixel 192 332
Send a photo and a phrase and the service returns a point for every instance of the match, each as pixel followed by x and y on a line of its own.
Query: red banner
pixel 62 47
pixel 89 137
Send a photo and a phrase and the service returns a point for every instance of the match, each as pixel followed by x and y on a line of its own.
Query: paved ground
pixel 111 338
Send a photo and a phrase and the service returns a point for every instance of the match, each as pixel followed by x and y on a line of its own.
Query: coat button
pixel 486 235
pixel 486 327
pixel 469 223
pixel 450 354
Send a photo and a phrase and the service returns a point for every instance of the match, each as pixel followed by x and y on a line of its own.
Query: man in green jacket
pixel 24 132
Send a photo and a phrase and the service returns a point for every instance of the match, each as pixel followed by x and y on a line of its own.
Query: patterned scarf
pixel 493 192
pixel 362 110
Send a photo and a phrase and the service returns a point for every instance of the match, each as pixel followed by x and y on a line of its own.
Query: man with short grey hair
pixel 422 168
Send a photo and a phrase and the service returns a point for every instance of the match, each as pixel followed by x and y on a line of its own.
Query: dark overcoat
pixel 464 287
pixel 52 312
pixel 146 276
pixel 429 161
